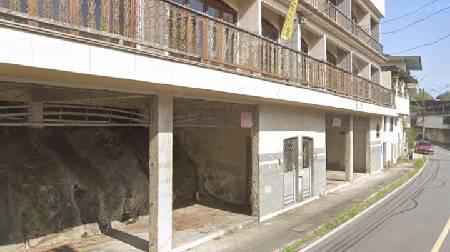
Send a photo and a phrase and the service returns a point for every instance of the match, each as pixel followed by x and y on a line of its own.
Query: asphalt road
pixel 412 220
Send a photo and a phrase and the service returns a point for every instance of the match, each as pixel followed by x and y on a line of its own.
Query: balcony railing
pixel 182 34
pixel 340 18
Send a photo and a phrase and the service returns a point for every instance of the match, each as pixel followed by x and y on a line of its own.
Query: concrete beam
pixel 161 174
pixel 349 151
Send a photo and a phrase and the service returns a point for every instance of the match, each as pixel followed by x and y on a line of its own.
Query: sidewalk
pixel 282 230
pixel 265 237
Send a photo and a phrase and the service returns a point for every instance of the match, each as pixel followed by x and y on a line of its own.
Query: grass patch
pixel 351 212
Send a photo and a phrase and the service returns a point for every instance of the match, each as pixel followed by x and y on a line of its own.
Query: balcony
pixel 180 34
pixel 345 22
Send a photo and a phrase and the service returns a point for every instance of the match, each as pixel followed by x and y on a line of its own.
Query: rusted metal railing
pixel 174 31
pixel 344 21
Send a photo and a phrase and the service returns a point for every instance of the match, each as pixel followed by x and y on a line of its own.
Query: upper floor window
pixel 214 8
pixel 269 30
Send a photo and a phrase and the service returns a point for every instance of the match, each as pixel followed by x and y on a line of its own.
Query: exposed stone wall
pixel 56 178
pixel 213 160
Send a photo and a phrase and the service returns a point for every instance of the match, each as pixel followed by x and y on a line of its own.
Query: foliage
pixel 411 136
pixel 422 97
pixel 445 96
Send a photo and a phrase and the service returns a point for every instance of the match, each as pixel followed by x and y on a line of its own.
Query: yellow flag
pixel 288 27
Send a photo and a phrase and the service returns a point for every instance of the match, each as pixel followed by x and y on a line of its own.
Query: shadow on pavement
pixel 131 240
pixel 64 248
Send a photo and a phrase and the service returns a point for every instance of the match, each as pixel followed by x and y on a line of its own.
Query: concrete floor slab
pixel 336 180
pixel 265 237
pixel 197 222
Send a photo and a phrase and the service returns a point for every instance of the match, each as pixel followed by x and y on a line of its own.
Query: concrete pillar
pixel 351 62
pixel 349 150
pixel 319 50
pixel 160 170
pixel 296 41
pixel 250 16
pixel 37 114
pixel 255 178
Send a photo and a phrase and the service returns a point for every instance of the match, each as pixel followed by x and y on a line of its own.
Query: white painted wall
pixel 376 142
pixel 386 79
pixel 277 123
pixel 42 52
pixel 280 122
pixel 433 122
pixel 402 105
pixel 380 4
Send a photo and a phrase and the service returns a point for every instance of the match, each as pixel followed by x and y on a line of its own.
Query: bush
pixel 411 136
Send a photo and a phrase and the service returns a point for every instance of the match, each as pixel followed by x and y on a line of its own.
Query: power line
pixel 425 44
pixel 410 13
pixel 407 14
pixel 417 21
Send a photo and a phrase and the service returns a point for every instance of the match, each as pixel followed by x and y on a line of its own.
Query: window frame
pixel 222 6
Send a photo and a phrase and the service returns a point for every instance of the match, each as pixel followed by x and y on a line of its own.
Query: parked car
pixel 424 147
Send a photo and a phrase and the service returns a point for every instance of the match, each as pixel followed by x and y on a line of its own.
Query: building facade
pixel 432 118
pixel 234 114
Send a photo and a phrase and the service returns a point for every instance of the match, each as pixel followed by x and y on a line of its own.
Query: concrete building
pixel 434 116
pixel 237 119
pixel 397 72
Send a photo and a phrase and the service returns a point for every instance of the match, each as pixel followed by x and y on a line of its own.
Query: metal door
pixel 305 190
pixel 290 158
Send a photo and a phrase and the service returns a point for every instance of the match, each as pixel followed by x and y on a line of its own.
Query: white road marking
pixel 437 246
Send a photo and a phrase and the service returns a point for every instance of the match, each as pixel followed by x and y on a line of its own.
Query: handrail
pixel 180 32
pixel 354 28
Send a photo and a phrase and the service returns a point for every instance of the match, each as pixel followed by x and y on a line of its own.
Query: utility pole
pixel 423 113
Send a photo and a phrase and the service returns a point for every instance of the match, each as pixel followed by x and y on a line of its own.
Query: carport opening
pixel 71 158
pixel 336 137
pixel 212 156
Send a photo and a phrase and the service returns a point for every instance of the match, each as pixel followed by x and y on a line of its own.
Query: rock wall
pixel 213 162
pixel 52 179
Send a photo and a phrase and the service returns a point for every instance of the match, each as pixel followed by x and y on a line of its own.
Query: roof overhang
pixel 413 63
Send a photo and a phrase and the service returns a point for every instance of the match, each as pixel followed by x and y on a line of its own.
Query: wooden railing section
pixel 175 31
pixel 340 18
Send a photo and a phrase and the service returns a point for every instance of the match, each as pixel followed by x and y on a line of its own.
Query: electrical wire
pixel 411 12
pixel 432 43
pixel 417 21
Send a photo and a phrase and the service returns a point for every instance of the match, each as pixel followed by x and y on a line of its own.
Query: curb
pixel 342 226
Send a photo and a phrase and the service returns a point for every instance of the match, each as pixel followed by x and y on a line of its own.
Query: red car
pixel 424 147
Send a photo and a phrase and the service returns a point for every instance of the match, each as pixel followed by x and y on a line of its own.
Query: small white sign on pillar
pixel 336 123
pixel 246 120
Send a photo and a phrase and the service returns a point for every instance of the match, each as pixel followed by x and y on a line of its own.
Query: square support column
pixel 37 114
pixel 349 151
pixel 250 15
pixel 161 174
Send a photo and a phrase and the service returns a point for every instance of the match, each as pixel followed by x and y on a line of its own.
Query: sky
pixel 435 77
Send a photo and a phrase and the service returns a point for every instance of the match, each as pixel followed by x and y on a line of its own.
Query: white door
pixel 306 168
pixel 290 161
